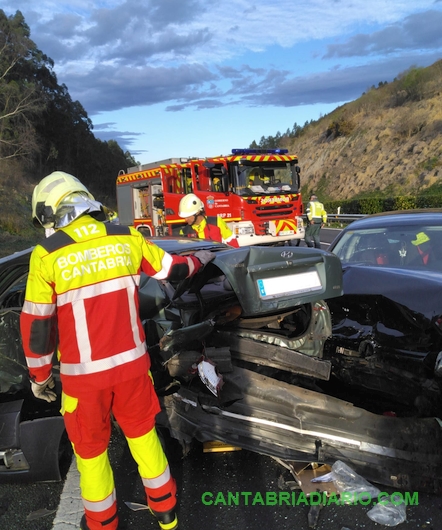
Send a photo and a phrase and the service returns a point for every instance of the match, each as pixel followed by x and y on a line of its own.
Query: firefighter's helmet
pixel 190 205
pixel 50 194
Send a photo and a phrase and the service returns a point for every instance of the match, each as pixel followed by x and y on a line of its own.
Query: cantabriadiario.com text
pixel 287 498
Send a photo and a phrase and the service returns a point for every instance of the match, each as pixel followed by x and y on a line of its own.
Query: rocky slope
pixel 387 142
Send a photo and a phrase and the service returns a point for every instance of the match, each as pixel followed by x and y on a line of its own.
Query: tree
pixel 40 125
pixel 20 99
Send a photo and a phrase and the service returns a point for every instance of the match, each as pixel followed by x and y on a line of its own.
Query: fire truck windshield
pixel 266 179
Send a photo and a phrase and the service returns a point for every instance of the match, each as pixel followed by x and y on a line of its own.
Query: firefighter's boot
pixel 166 520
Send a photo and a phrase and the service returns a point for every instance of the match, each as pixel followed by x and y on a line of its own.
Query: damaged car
pixel 238 357
pixel 387 327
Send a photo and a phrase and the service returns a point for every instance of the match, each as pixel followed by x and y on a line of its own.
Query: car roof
pixel 398 218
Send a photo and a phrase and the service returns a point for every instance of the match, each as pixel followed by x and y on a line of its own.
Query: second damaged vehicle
pixel 237 356
pixel 386 343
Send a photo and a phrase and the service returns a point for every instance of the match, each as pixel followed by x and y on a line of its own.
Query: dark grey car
pixel 387 326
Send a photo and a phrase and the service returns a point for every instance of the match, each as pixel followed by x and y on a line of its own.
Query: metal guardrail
pixel 343 217
pixel 340 218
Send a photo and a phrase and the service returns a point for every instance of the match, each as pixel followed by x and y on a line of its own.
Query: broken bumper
pixel 281 420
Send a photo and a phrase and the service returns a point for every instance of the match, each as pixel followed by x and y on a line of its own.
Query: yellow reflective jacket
pixel 211 227
pixel 315 211
pixel 83 282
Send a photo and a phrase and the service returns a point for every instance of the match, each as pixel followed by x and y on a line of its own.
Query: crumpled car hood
pixel 387 336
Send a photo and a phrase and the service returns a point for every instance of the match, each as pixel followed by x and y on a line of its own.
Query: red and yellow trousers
pixel 87 418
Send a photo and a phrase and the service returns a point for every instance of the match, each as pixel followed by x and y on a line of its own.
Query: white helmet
pixel 49 194
pixel 190 205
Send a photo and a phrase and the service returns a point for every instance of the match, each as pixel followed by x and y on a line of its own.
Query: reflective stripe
pixel 101 506
pixel 159 481
pixel 166 264
pixel 39 362
pixel 82 332
pixel 92 367
pixel 38 310
pixel 133 314
pixel 191 265
pixel 106 287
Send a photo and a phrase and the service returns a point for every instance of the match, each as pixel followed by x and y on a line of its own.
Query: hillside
pixel 387 142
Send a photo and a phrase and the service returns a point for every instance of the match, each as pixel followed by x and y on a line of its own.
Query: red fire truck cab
pixel 257 193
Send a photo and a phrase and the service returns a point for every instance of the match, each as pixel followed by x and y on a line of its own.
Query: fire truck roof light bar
pixel 259 151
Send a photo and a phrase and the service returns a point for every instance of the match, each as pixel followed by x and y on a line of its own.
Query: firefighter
pixel 316 217
pixel 111 215
pixel 191 209
pixel 81 300
pixel 216 184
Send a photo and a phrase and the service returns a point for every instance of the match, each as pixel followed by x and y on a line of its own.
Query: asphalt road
pixel 327 236
pixel 202 478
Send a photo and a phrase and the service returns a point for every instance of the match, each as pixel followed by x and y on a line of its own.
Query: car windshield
pixel 410 247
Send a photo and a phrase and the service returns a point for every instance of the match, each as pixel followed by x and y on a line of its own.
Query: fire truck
pixel 257 193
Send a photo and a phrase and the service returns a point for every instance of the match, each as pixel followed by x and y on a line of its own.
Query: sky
pixel 196 78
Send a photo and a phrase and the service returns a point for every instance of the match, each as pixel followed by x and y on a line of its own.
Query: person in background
pixel 82 302
pixel 111 215
pixel 316 217
pixel 216 184
pixel 424 250
pixel 191 209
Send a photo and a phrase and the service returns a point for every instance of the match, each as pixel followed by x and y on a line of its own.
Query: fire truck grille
pixel 274 212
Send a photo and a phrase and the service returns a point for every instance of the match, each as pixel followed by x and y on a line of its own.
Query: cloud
pixel 106 89
pixel 109 131
pixel 420 31
pixel 196 86
pixel 198 105
pixel 337 85
pixel 136 52
pixel 200 30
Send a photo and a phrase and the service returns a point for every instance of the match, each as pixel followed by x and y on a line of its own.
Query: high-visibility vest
pixel 315 211
pixel 212 227
pixel 83 281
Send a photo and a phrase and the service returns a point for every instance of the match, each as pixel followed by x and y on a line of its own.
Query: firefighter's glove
pixel 205 256
pixel 44 390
